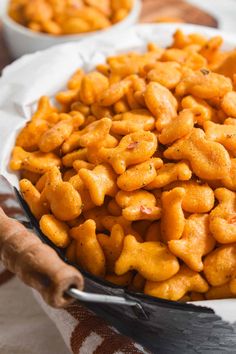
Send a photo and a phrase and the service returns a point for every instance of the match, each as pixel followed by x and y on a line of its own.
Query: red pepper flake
pixel 133 145
pixel 145 210
pixel 232 219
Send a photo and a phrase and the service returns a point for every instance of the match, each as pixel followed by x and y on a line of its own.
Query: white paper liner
pixel 45 73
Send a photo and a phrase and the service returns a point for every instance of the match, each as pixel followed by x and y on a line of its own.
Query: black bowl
pixel 161 326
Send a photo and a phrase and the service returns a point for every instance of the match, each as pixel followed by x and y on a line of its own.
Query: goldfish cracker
pixel 182 40
pixel 138 83
pixel 101 181
pixel 138 205
pixel 41 182
pixel 101 112
pixel 176 287
pixel 203 111
pixel 67 97
pixel 54 137
pixel 154 232
pixel 31 176
pixel 96 19
pixel 178 128
pixel 132 121
pixel 223 216
pixel 71 143
pixel 114 93
pixel 103 6
pixel 78 164
pixel 139 97
pixel 140 175
pixel 120 280
pixel 84 19
pixel 174 55
pixel 132 101
pixel 37 162
pixel 69 159
pixel 92 87
pixel 152 47
pixel 113 208
pixel 57 231
pixel 138 283
pixel 133 149
pixel 97 214
pixel 44 109
pixel 78 184
pixel 224 134
pixel 121 106
pixel 89 253
pixel 96 134
pixel 119 15
pixel 75 25
pixel 211 47
pixel 161 103
pixel 204 84
pixel 67 175
pixel 204 156
pixel 173 219
pixel 170 172
pixel 228 65
pixel 112 246
pixel 99 133
pixel 71 252
pixel 33 198
pixel 229 181
pixel 151 259
pixel 93 156
pixel 37 11
pixel 199 196
pixel 108 221
pixel 132 63
pixel 74 82
pixel 30 135
pixel 220 292
pixel 82 108
pixel 64 200
pixel 195 242
pixel 220 265
pixel 195 61
pixel 89 119
pixel 229 104
pixel 167 74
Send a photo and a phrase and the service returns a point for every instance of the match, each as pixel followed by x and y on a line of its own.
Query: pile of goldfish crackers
pixel 58 17
pixel 135 173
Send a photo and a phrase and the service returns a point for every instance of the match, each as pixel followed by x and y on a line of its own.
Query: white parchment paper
pixel 45 73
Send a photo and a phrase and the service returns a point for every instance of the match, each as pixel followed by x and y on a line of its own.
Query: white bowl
pixel 21 40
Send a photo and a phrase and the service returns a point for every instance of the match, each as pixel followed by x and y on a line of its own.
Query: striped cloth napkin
pixel 82 331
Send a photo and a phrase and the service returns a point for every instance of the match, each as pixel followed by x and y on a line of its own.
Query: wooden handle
pixel 36 264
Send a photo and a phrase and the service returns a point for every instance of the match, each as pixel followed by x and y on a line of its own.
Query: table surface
pixel 152 11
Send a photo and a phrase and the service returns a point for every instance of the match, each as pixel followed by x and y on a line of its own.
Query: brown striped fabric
pixel 90 327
